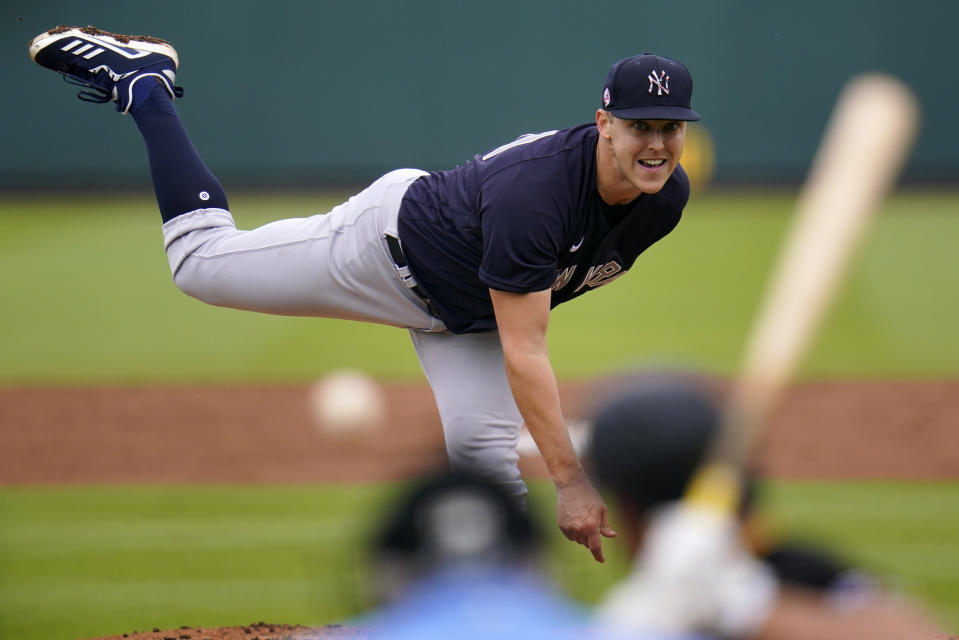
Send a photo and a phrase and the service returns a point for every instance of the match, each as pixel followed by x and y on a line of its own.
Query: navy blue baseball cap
pixel 649 87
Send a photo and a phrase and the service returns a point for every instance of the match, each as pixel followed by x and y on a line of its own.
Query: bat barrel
pixel 865 145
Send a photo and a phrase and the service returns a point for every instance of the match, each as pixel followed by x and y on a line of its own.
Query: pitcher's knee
pixel 494 459
pixel 201 284
pixel 191 281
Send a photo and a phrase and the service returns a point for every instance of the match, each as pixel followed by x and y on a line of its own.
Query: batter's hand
pixel 693 574
pixel 583 517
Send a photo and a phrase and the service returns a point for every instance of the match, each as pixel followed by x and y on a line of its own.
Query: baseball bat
pixel 869 135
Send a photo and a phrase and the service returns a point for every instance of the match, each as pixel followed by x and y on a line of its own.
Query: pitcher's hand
pixel 583 517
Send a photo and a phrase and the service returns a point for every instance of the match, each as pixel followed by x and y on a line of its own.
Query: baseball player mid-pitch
pixel 470 260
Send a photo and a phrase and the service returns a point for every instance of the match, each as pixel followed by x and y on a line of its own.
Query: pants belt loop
pixel 399 260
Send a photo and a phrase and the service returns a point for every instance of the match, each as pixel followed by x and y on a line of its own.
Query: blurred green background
pixel 320 97
pixel 89 299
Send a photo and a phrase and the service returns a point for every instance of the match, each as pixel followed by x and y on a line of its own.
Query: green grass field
pixel 83 562
pixel 87 299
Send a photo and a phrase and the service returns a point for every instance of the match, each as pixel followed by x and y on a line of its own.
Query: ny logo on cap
pixel 661 81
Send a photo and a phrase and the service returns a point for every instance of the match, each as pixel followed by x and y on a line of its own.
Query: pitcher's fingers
pixel 595 545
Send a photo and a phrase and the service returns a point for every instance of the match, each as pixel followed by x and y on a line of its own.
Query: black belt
pixel 396 252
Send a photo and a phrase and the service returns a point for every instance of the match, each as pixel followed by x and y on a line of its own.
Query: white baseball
pixel 347 401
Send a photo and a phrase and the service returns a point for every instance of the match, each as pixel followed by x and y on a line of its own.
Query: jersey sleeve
pixel 523 226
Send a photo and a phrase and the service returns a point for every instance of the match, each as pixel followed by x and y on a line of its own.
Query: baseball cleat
pixel 106 64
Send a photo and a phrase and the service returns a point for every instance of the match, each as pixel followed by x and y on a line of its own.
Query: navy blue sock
pixel 180 179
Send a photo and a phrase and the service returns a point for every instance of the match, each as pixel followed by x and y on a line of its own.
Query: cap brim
pixel 651 112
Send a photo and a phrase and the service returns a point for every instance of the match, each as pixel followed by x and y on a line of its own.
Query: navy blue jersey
pixel 526 217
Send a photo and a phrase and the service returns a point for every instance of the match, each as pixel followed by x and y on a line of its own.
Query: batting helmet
pixel 649 438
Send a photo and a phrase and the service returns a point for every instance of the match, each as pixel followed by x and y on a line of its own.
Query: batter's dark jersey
pixel 526 217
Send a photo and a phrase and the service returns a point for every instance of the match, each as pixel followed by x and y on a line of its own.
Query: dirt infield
pixel 265 434
pixel 255 631
pixel 251 434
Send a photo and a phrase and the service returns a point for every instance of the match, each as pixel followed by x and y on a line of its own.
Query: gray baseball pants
pixel 337 265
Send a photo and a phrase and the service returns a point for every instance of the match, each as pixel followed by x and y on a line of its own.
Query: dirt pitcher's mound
pixel 255 631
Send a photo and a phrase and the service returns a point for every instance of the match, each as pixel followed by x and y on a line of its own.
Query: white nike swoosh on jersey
pixel 576 246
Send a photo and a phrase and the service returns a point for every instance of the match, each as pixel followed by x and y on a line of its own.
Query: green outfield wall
pixel 320 93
